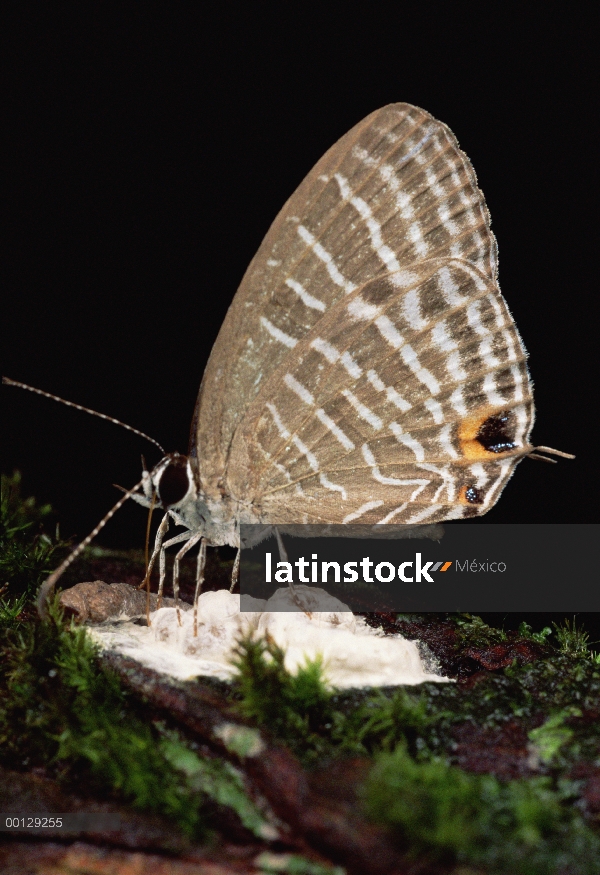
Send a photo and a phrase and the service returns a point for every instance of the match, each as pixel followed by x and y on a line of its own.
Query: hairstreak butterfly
pixel 368 369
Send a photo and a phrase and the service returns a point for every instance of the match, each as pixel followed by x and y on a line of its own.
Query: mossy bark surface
pixel 298 770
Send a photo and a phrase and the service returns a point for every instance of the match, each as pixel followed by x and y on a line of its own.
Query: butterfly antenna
pixel 47 587
pixel 534 454
pixel 8 382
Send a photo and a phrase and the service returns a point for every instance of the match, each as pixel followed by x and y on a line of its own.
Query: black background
pixel 153 146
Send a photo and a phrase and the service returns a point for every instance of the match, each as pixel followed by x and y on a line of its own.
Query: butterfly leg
pixel 160 546
pixel 236 570
pixel 199 581
pixel 192 540
pixel 284 558
pixel 160 534
pixel 184 536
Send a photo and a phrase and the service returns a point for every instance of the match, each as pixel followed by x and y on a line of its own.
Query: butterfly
pixel 368 369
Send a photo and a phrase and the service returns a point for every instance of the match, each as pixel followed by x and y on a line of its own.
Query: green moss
pixel 293 864
pixel 73 715
pixel 550 737
pixel 530 826
pixel 295 709
pixel 433 804
pixel 572 640
pixel 215 779
pixel 525 631
pixel 522 826
pixel 243 741
pixel 314 722
pixel 60 709
pixel 473 632
pixel 27 552
pixel 379 721
pixel 12 609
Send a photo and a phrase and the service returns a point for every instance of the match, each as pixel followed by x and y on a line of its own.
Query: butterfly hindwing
pixel 409 400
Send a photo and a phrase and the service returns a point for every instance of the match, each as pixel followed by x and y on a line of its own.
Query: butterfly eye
pixel 174 482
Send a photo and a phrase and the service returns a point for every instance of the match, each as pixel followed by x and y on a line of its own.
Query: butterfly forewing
pixel 368 344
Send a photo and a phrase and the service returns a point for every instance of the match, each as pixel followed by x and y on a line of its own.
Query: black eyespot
pixel 474 495
pixel 174 482
pixel 496 434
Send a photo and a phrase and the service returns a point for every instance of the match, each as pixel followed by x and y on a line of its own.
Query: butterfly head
pixel 171 482
pixel 173 486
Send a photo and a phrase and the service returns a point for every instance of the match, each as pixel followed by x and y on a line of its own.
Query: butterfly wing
pixel 392 194
pixel 409 401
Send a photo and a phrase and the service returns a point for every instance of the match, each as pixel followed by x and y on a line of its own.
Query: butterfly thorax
pixel 174 486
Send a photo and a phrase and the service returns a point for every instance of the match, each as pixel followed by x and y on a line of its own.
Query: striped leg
pixel 160 534
pixel 199 581
pixel 192 540
pixel 284 558
pixel 236 571
pixel 184 536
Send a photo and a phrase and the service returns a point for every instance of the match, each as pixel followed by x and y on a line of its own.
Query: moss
pixel 315 722
pixel 61 710
pixel 434 805
pixel 216 779
pixel 73 716
pixel 293 864
pixel 12 609
pixel 567 636
pixel 525 631
pixel 75 719
pixel 522 826
pixel 553 734
pixel 572 640
pixel 379 721
pixel 296 709
pixel 27 552
pixel 526 695
pixel 474 632
pixel 72 713
pixel 532 826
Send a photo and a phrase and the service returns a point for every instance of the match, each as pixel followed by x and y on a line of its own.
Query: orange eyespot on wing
pixel 488 433
pixel 470 495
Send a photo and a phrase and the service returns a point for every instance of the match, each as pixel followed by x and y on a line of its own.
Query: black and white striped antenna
pixel 47 587
pixel 8 382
